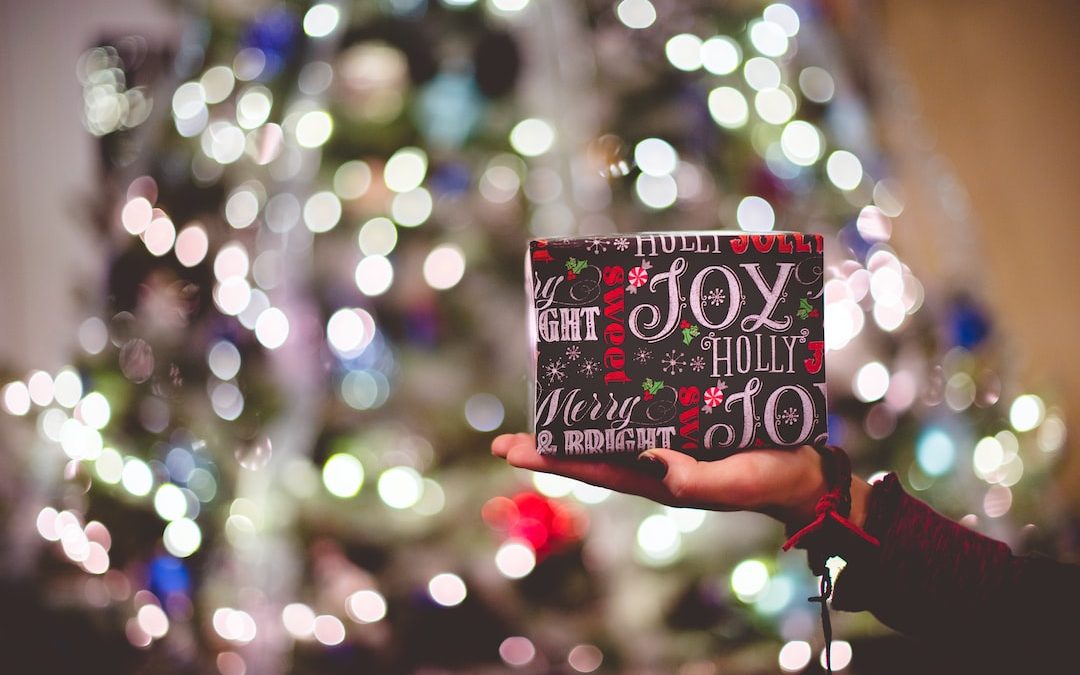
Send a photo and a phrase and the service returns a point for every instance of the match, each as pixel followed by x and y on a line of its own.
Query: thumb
pixel 679 472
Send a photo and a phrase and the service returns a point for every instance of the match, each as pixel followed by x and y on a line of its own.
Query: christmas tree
pixel 271 454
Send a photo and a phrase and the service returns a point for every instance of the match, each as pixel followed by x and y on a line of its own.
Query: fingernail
pixel 652 465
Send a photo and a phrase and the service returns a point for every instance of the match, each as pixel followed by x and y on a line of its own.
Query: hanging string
pixel 832 508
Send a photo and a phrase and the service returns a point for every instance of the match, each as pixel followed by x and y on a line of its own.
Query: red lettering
pixel 614 333
pixel 613 276
pixel 817 356
pixel 688 421
pixel 740 243
pixel 689 395
pixel 613 304
pixel 540 252
pixel 801 245
pixel 783 244
pixel 688 418
pixel 763 242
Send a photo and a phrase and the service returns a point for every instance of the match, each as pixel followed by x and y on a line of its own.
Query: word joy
pixel 653 323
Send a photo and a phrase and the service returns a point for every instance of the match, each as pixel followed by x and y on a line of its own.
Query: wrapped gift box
pixel 706 342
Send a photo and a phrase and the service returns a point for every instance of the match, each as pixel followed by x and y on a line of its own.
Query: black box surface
pixel 706 342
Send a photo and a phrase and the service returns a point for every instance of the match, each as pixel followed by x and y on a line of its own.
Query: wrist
pixel 810 484
pixel 799 505
pixel 860 502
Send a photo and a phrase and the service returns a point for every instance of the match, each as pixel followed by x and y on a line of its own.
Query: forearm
pixel 931 576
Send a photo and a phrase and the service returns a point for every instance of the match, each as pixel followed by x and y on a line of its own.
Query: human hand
pixel 782 483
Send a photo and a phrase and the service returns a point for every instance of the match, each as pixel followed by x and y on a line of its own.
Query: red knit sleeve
pixel 933 577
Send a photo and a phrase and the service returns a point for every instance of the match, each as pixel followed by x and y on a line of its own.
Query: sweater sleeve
pixel 932 577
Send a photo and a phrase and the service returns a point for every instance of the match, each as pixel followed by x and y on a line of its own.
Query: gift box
pixel 705 342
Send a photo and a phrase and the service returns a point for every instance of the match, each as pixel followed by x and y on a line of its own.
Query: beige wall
pixel 997 83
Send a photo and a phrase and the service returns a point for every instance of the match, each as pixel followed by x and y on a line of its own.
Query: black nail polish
pixel 652 466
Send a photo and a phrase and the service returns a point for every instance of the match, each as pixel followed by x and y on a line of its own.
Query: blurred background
pixel 263 312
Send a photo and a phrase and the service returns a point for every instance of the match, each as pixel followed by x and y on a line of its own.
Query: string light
pixel 532 137
pixel 366 606
pixel 728 107
pixel 749 579
pixel 636 14
pixel 517 651
pixel 447 589
pixel 405 169
pixel 321 20
pixel 720 55
pixel 683 51
pixel 444 266
pixel 343 475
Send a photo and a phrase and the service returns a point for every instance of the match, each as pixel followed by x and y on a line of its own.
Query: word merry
pixel 573 409
pixel 751 353
pixel 595 441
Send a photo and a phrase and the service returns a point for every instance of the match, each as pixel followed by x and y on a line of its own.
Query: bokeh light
pixel 444 266
pixel 585 658
pixel 182 537
pixel 683 51
pixel 636 14
pixel 517 651
pixel 321 20
pixel 1026 412
pixel 795 656
pixel 366 606
pixel 447 589
pixel 532 137
pixel 374 274
pixel 658 538
pixel 749 579
pixel 720 55
pixel 515 559
pixel 400 487
pixel 841 654
pixel 728 107
pixel 484 412
pixel 343 475
pixel 405 169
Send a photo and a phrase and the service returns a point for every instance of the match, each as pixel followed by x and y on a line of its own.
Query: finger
pixel 501 444
pixel 600 473
pixel 692 482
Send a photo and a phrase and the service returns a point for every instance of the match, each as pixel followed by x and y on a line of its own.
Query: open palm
pixel 782 483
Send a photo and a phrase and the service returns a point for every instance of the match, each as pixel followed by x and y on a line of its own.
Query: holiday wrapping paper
pixel 706 342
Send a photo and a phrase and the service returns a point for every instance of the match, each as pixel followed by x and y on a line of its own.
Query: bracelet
pixel 833 508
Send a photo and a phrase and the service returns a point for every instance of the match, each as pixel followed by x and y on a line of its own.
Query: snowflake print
pixel 673 362
pixel 573 352
pixel 622 243
pixel 590 367
pixel 789 416
pixel 595 245
pixel 555 371
pixel 697 364
pixel 715 297
pixel 642 355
